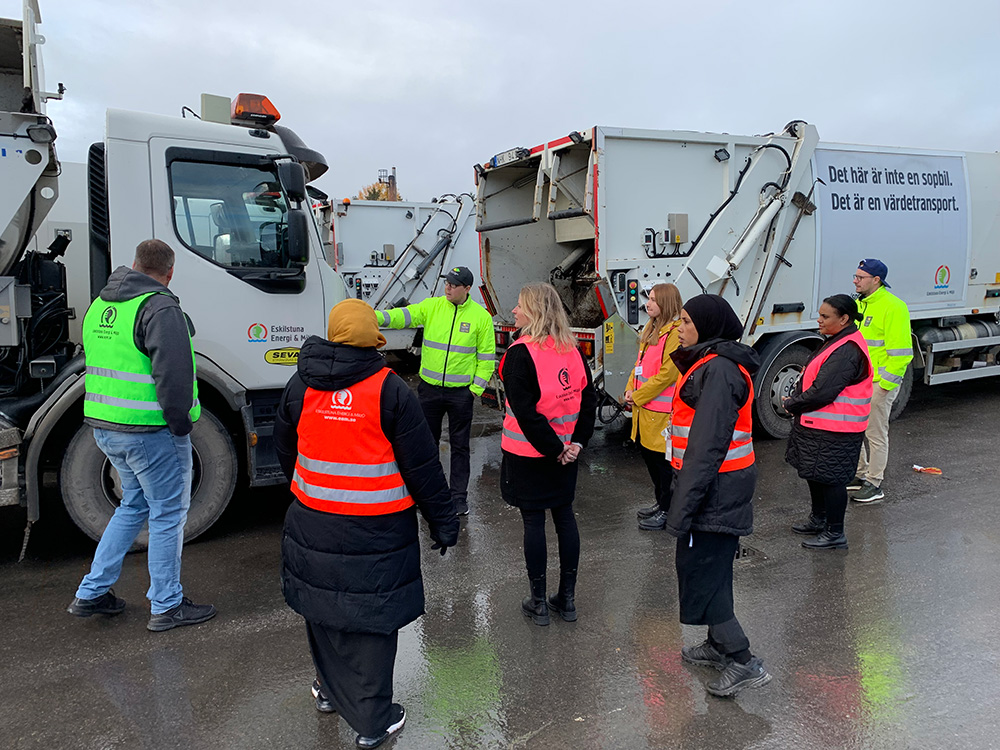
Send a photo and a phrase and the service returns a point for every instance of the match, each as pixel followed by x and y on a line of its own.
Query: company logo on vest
pixel 257 333
pixel 108 317
pixel 342 399
pixel 942 277
pixel 564 378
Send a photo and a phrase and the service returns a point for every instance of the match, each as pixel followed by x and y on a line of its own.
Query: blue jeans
pixel 155 471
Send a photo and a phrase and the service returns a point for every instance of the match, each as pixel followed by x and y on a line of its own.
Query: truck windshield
pixel 234 215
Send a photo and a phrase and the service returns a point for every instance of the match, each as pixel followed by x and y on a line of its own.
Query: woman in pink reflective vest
pixel 830 404
pixel 551 405
pixel 650 394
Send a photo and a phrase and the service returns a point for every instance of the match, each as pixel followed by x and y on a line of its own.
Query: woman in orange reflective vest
pixel 831 404
pixel 352 440
pixel 551 406
pixel 714 479
pixel 650 393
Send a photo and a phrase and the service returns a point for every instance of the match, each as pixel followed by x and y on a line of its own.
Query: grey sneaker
pixel 706 655
pixel 738 677
pixel 855 484
pixel 868 493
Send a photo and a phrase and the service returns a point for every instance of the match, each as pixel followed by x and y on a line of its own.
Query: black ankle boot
pixel 829 539
pixel 814 525
pixel 563 603
pixel 534 606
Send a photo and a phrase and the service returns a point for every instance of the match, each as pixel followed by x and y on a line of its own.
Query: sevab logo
pixel 942 277
pixel 257 333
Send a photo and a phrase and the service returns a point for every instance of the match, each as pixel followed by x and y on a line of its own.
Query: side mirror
pixel 293 180
pixel 298 236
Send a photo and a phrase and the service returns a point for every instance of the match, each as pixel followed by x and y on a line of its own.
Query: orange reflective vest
pixel 648 364
pixel 849 411
pixel 346 464
pixel 740 454
pixel 561 378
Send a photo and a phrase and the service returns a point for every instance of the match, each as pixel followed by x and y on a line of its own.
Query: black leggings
pixel 829 501
pixel 534 539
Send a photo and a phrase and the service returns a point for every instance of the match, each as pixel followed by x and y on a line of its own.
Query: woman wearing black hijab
pixel 714 479
pixel 831 404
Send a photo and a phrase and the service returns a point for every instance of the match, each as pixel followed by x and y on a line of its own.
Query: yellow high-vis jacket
pixel 459 348
pixel 886 328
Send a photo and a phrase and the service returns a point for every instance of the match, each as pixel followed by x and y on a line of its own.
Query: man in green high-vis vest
pixel 142 401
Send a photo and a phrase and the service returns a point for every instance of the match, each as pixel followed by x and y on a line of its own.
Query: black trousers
pixel 660 471
pixel 457 403
pixel 355 671
pixel 829 501
pixel 535 553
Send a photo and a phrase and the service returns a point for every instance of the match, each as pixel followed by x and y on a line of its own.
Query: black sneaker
pixel 461 508
pixel 323 704
pixel 706 655
pixel 397 719
pixel 656 522
pixel 649 510
pixel 184 613
pixel 106 604
pixel 827 540
pixel 738 677
pixel 855 484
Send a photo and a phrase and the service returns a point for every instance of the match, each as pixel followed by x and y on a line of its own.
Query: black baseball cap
pixel 460 276
pixel 875 267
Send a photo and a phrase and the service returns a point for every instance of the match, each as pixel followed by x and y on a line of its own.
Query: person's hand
pixel 570 453
pixel 628 398
pixel 440 546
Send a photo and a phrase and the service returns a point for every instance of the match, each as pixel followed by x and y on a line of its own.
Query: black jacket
pixel 703 498
pixel 163 333
pixel 539 483
pixel 361 574
pixel 822 455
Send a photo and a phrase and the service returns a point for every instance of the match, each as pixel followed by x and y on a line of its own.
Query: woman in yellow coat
pixel 650 394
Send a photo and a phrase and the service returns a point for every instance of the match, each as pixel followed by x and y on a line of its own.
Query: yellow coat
pixel 653 423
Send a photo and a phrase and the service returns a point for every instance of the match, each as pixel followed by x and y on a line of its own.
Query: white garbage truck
pixel 396 253
pixel 228 192
pixel 773 223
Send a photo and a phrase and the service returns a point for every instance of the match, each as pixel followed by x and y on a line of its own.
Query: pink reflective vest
pixel 849 411
pixel 561 378
pixel 648 364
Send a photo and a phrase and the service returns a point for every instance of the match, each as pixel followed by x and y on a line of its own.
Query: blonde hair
pixel 668 299
pixel 546 315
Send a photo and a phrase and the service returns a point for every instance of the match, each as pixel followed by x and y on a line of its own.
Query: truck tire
pixel 905 389
pixel 91 490
pixel 780 376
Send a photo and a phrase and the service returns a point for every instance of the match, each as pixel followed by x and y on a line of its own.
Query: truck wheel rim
pixel 782 386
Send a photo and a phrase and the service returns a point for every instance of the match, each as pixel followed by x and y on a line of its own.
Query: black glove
pixel 440 546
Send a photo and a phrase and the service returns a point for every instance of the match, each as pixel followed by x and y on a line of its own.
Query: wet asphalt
pixel 888 645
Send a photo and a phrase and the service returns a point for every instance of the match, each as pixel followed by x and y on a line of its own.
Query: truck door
pixel 252 301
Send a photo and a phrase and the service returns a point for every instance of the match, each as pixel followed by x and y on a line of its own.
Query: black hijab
pixel 714 318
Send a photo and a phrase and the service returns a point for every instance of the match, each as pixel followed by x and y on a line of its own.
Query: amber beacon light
pixel 254 109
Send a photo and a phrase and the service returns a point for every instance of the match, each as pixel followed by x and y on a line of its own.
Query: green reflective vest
pixel 119 379
pixel 886 328
pixel 459 348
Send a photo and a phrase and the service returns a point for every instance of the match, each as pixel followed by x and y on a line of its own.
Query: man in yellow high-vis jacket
pixel 142 401
pixel 456 363
pixel 886 328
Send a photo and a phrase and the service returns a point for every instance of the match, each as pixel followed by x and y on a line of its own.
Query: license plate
pixel 507 157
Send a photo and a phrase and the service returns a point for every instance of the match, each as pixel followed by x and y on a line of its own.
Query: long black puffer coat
pixel 821 455
pixel 702 498
pixel 361 574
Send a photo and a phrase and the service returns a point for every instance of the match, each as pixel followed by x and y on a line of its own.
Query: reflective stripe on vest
pixel 849 411
pixel 647 365
pixel 739 454
pixel 561 379
pixel 119 377
pixel 346 464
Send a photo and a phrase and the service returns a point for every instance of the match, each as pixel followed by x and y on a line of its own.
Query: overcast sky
pixel 431 87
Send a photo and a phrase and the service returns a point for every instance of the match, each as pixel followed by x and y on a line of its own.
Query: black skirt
pixel 536 483
pixel 705 577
